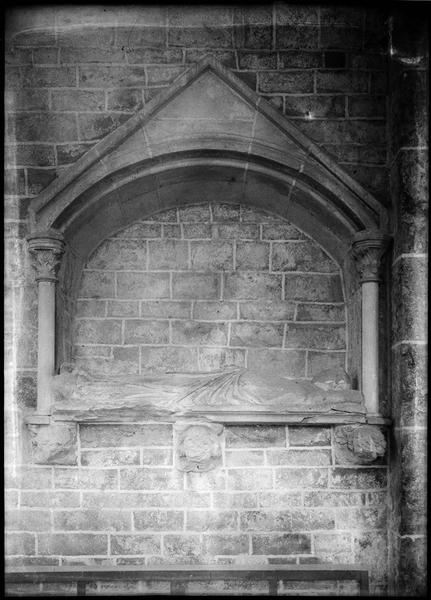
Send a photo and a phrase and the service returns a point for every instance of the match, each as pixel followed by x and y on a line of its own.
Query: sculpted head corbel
pixel 198 446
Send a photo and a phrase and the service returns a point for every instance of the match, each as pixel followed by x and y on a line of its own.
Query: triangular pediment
pixel 208 108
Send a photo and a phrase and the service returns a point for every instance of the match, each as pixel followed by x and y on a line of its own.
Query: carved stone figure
pixel 234 390
pixel 198 446
pixel 54 444
pixel 359 444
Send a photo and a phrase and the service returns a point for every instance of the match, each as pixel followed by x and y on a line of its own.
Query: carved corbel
pixel 358 444
pixel 198 446
pixel 54 444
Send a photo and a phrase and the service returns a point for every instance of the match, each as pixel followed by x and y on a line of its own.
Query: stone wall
pixel 280 496
pixel 69 82
pixel 207 286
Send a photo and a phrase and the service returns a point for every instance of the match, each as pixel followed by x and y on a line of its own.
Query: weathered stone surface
pixel 360 444
pixel 249 479
pixel 409 283
pixel 358 478
pixel 72 543
pixel 371 547
pixel 146 332
pixel 91 520
pixel 198 446
pixel 335 499
pixel 158 520
pixel 54 444
pixel 200 520
pixel 309 458
pixel 109 458
pixel 20 543
pixel 260 334
pixel 68 478
pixel 97 285
pixel 186 545
pixel 119 254
pixel 166 310
pixel 198 482
pixel 199 333
pixel 95 436
pixel 361 518
pixel 252 286
pixel 228 544
pixel 409 387
pixel 409 183
pixel 288 543
pixel 291 478
pixel 151 479
pixel 258 436
pixel 93 331
pixel 332 547
pixel 159 359
pixel 135 544
pixel 196 286
pixel 300 256
pixel 413 493
pixel 317 288
pixel 288 363
pixel 287 81
pixel 325 337
pixel 27 520
pixel 413 560
pixel 168 254
pixel 319 361
pixel 252 255
pixel 143 285
pixel 214 311
pixel 217 256
pixel 267 310
pixel 44 127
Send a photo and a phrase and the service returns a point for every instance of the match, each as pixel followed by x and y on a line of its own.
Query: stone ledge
pixel 256 418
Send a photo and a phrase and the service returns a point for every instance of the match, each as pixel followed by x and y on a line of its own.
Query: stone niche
pixel 202 316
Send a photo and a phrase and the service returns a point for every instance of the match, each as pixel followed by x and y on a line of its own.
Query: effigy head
pixel 333 379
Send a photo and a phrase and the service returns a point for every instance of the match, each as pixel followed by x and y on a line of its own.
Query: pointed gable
pixel 209 109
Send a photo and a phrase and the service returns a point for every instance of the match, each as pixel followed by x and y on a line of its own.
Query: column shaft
pixel 46 345
pixel 370 345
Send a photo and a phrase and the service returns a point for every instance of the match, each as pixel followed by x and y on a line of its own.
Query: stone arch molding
pixel 208 126
pixel 207 136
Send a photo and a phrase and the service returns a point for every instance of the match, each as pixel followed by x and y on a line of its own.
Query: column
pixel 368 248
pixel 46 249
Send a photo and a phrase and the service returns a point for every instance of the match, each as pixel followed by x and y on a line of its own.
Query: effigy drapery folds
pixel 199 404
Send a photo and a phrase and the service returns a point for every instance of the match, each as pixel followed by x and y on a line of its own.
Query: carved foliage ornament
pixel 368 249
pixel 46 250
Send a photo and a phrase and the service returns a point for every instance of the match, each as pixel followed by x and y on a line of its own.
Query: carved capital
pixel 368 248
pixel 358 444
pixel 46 249
pixel 198 446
